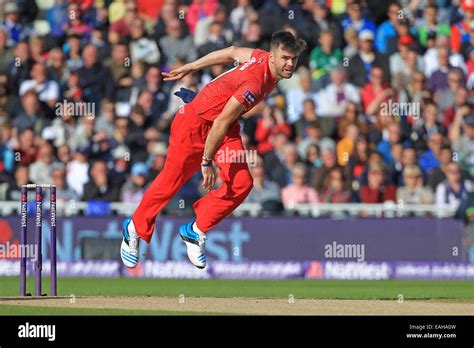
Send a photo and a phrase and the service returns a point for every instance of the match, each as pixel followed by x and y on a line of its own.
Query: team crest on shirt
pixel 249 96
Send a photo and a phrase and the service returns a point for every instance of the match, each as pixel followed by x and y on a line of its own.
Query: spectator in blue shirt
pixel 429 160
pixel 387 29
pixel 355 20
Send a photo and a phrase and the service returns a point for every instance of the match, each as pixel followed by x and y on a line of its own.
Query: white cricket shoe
pixel 130 242
pixel 195 242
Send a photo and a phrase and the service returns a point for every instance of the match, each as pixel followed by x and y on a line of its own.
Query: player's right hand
pixel 177 74
pixel 209 177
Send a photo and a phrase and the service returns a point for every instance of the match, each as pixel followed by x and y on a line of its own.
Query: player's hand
pixel 209 176
pixel 177 74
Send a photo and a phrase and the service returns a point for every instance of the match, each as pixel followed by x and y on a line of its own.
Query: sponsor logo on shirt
pixel 249 96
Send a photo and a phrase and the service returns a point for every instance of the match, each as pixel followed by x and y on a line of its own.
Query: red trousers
pixel 186 146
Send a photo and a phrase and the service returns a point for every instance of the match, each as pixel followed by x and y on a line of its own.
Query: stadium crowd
pixel 379 109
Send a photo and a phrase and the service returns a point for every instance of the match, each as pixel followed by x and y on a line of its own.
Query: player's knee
pixel 244 186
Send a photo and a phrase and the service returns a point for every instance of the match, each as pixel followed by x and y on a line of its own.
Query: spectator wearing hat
pixel 406 61
pixel 298 192
pixel 135 186
pixel 376 190
pixel 430 25
pixel 460 32
pixel 413 191
pixel 454 189
pixel 361 64
pixel 12 24
pixel 388 28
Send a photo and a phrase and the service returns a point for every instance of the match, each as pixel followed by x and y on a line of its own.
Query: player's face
pixel 285 62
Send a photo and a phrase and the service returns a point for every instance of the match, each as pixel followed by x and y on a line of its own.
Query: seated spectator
pixel 272 122
pixel 264 191
pixel 141 47
pixel 296 97
pixel 454 189
pixel 40 170
pixel 64 193
pixel 298 192
pixel 26 150
pixel 431 57
pixel 346 144
pixel 463 143
pixel 376 191
pixel 429 159
pixel 351 115
pixel 323 58
pixel 438 80
pixel 394 136
pixel 430 25
pixel 319 174
pixel 361 64
pixel 358 160
pixel 32 116
pixel 20 178
pixel 176 44
pixel 446 97
pixel 100 187
pixel 77 171
pixel 407 157
pixel 334 98
pixel 11 21
pixel 216 39
pixel 430 126
pixel 413 192
pixel 135 186
pixel 376 92
pixel 307 118
pixel 313 137
pixel 387 29
pixel 334 190
pixel 404 63
pixel 355 19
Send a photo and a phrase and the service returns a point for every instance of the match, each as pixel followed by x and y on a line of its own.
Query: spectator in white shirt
pixel 454 189
pixel 296 96
pixel 47 90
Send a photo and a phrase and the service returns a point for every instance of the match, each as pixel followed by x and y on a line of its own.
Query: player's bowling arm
pixel 220 126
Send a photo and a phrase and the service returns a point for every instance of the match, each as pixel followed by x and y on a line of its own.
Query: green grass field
pixel 334 289
pixel 302 289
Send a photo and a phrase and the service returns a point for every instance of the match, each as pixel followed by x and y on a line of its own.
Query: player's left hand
pixel 209 177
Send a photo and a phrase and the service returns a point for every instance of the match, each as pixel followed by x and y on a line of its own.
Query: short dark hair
pixel 287 41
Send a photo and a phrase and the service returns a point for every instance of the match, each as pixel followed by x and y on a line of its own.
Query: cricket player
pixel 206 125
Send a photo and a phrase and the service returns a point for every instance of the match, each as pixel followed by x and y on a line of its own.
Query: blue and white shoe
pixel 195 242
pixel 130 242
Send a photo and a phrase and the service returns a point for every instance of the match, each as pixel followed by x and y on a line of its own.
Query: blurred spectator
pixel 298 192
pixel 334 190
pixel 239 16
pixel 429 159
pixel 40 170
pixel 271 123
pixel 463 143
pixel 430 25
pixel 296 97
pixel 319 174
pixel 220 35
pixel 333 99
pixel 429 127
pixel 11 23
pixel 32 116
pixel 199 9
pixel 387 29
pixel 361 64
pixel 358 159
pixel 460 30
pixel 324 58
pixel 18 70
pixel 355 20
pixel 14 186
pixel 345 146
pixel 177 45
pixel 454 189
pixel 413 192
pixel 376 92
pixel 135 186
pixel 376 191
pixel 99 187
pixel 141 47
pixel 264 191
pixel 6 52
pixel 64 194
pixel 77 170
pixel 47 90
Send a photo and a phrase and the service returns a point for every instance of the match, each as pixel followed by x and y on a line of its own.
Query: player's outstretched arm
pixel 223 56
